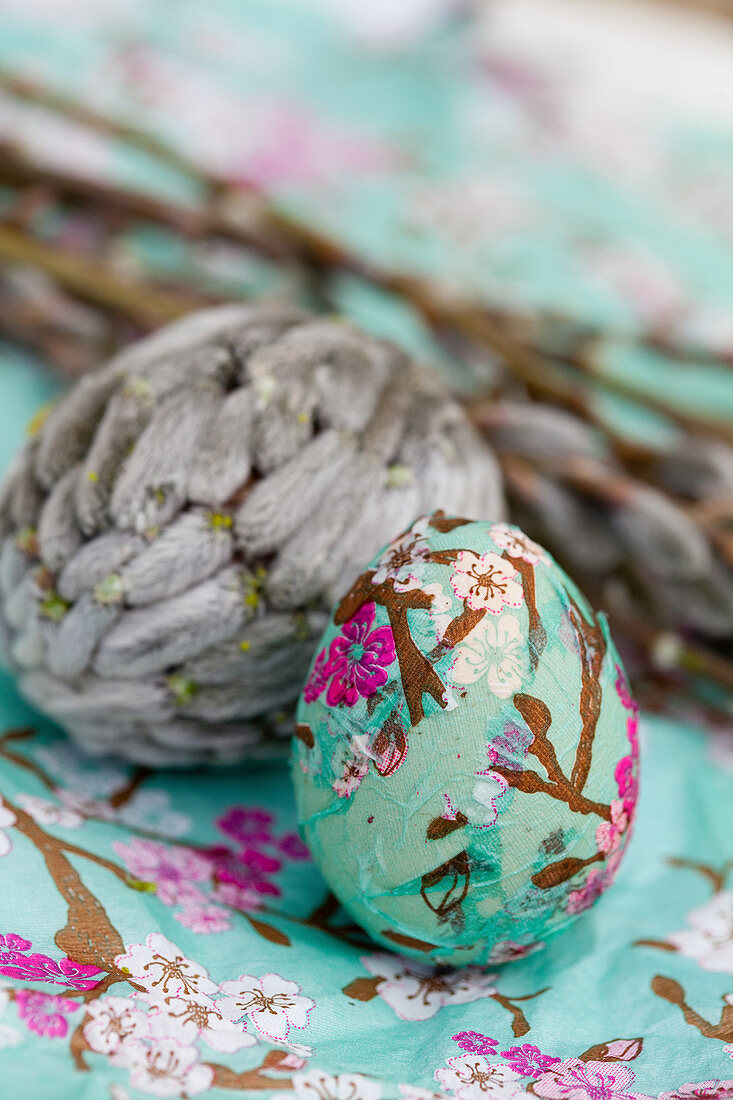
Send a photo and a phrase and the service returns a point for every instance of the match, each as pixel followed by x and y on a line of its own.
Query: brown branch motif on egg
pixel 419 676
pixel 378 586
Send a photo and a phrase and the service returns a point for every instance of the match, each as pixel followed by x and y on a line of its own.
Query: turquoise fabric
pixel 164 935
pixel 466 760
pixel 373 1024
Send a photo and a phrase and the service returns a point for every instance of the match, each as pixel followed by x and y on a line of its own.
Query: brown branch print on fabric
pixel 715 877
pixel 78 1046
pixel 520 1026
pixel 670 990
pixel 253 1079
pixel 441 980
pixel 129 790
pixel 89 936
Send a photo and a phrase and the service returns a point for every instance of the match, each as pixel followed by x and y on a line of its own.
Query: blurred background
pixel 535 196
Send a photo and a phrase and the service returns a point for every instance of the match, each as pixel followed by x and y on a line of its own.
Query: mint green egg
pixel 466 752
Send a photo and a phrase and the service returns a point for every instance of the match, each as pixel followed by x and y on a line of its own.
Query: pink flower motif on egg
pixel 317 679
pixel 509 950
pixel 509 748
pixel 493 649
pixel 487 792
pixel 351 765
pixel 628 783
pixel 405 559
pixel 627 770
pixel 622 690
pixel 609 833
pixel 487 582
pixel 517 544
pixel 588 893
pixel 357 661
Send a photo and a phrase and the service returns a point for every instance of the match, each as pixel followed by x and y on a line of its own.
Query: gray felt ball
pixel 172 537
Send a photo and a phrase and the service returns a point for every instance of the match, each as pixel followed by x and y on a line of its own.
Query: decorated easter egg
pixel 466 755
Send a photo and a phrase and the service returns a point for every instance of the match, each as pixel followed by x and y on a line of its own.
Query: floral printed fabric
pixel 467 755
pixel 166 935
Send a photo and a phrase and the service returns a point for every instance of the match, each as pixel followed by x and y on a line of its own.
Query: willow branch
pixel 538 371
pixel 95 282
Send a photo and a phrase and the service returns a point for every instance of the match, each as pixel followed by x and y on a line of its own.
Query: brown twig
pixel 23 87
pixel 312 248
pixel 95 282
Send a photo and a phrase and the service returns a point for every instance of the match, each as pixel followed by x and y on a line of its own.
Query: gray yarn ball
pixel 173 536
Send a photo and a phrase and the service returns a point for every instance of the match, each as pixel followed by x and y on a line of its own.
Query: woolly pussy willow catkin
pixel 174 533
